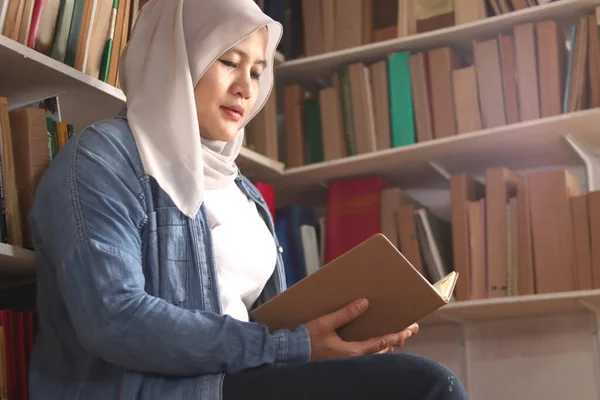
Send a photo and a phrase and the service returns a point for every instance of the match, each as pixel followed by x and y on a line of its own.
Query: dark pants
pixel 395 376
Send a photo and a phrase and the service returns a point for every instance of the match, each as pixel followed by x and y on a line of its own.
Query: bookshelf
pixel 536 305
pixel 458 36
pixel 16 261
pixel 29 76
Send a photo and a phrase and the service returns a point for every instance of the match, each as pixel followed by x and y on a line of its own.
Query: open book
pixel 398 294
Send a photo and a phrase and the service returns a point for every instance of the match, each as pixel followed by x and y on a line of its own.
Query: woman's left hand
pixel 404 335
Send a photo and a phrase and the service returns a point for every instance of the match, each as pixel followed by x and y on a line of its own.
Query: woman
pixel 152 247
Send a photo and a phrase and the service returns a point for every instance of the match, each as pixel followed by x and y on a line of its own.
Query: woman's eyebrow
pixel 243 54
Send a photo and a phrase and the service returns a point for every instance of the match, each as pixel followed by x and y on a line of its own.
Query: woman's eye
pixel 255 75
pixel 230 64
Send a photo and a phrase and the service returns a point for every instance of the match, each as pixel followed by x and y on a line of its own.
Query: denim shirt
pixel 128 299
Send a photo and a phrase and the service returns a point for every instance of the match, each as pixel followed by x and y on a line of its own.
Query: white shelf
pixel 27 76
pixel 515 307
pixel 279 58
pixel 16 260
pixel 459 36
pixel 256 166
pixel 520 146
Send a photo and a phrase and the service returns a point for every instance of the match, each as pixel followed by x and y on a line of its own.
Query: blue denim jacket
pixel 127 295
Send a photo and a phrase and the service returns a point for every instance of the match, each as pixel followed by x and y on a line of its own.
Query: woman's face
pixel 227 92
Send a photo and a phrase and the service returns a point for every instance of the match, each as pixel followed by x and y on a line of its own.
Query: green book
pixel 61 36
pixel 312 129
pixel 74 31
pixel 347 113
pixel 401 104
pixel 106 53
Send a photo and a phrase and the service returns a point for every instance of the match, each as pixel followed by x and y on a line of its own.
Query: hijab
pixel 172 45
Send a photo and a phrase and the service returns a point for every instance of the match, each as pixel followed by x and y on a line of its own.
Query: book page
pixel 445 286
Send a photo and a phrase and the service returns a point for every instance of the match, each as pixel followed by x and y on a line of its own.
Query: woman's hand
pixel 326 344
pixel 408 332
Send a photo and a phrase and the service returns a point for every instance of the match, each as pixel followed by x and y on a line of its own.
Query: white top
pixel 244 249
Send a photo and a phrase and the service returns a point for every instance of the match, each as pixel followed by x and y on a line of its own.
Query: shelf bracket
pixel 52 93
pixel 590 161
pixel 444 173
pixel 594 309
pixel 466 363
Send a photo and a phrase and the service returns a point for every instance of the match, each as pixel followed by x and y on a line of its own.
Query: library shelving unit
pixel 570 139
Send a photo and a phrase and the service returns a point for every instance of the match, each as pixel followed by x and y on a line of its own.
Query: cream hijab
pixel 173 44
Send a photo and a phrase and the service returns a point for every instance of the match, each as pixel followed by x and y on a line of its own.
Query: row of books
pixel 79 33
pixel 357 209
pixel 408 97
pixel 30 137
pixel 17 333
pixel 314 27
pixel 509 234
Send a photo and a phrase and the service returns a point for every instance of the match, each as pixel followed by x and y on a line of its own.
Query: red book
pixel 268 193
pixel 353 213
pixel 36 17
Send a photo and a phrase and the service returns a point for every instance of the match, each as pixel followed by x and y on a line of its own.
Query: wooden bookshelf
pixel 259 167
pixel 524 145
pixel 16 260
pixel 458 36
pixel 27 76
pixel 515 307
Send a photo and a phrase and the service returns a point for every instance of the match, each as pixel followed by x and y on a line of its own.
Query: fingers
pixel 347 314
pixel 414 328
pixel 376 345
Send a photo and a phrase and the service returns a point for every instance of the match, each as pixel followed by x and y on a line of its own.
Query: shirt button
pixel 262 200
pixel 280 249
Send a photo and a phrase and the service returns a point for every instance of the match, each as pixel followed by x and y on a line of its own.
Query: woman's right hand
pixel 326 344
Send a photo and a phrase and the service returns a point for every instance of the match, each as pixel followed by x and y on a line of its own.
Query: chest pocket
pixel 168 256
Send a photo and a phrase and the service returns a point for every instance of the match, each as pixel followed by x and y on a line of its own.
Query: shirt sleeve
pixel 100 278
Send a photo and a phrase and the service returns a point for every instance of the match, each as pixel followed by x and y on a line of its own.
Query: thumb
pixel 347 314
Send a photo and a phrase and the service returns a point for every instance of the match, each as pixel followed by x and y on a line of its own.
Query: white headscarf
pixel 173 44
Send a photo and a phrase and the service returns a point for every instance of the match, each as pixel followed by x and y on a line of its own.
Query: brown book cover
pixel 551 59
pixel 348 24
pixel 594 60
pixel 362 108
pixel 263 129
pixel 594 220
pixel 334 142
pixel 328 10
pixel 313 27
pixel 466 11
pixel 14 15
pixel 433 14
pixel 408 241
pixel 552 226
pixel 509 77
pixel 30 146
pixel 421 94
pixel 581 232
pixel 463 188
pixel 476 218
pixel 441 63
pixel 11 198
pixel 381 104
pixel 501 184
pixel 407 22
pixel 466 99
pixel 398 294
pixel 293 100
pixel 527 72
pixel 391 199
pixel 489 82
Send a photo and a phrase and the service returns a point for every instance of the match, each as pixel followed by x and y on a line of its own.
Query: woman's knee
pixel 429 379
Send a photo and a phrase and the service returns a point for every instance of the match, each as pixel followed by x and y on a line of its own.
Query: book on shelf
pixel 398 294
pixel 86 35
pixel 415 96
